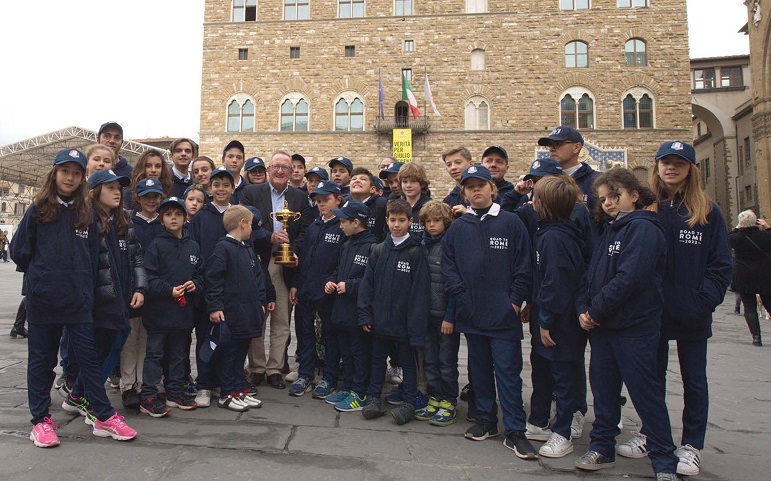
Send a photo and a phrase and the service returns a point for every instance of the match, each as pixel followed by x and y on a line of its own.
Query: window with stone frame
pixel 240 114
pixel 577 108
pixel 747 153
pixel 244 10
pixel 294 52
pixel 633 3
pixel 350 50
pixel 638 109
pixel 476 6
pixel 477 59
pixel 243 54
pixel 577 54
pixel 477 113
pixel 409 45
pixel 402 8
pixel 350 8
pixel 635 52
pixel 574 4
pixel 297 10
pixel 295 113
pixel 349 112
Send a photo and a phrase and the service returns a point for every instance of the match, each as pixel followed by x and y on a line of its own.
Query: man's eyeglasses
pixel 559 144
pixel 281 167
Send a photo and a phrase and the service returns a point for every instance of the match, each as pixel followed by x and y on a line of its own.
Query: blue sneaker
pixel 421 400
pixel 427 412
pixel 300 387
pixel 335 398
pixel 352 403
pixel 323 389
pixel 395 399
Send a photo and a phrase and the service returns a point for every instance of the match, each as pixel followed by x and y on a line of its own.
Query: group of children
pixel 395 276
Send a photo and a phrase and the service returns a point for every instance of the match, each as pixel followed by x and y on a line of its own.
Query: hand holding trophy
pixel 284 255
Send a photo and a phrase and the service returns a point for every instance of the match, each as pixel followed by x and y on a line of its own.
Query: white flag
pixel 430 98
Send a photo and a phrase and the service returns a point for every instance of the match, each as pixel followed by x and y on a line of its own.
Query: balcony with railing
pixel 387 125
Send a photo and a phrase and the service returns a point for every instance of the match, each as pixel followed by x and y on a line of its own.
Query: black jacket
pixel 350 269
pixel 752 262
pixel 318 258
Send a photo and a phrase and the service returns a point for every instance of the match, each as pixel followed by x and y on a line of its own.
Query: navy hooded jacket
pixel 579 216
pixel 623 281
pixel 206 228
pixel 504 188
pixel 455 198
pixel 699 265
pixel 557 279
pixel 487 267
pixel 235 285
pixel 585 177
pixel 393 294
pixel 60 264
pixel 377 219
pixel 122 167
pixel 416 229
pixel 318 258
pixel 170 262
pixel 235 197
pixel 350 269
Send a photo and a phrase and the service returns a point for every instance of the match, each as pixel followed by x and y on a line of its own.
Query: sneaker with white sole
pixel 594 461
pixel 518 442
pixel 577 425
pixel 481 431
pixel 203 398
pixel 322 390
pixel 556 447
pixel 250 400
pixel 335 398
pixel 115 428
pixel 300 387
pixel 291 376
pixel 667 477
pixel 43 434
pixel 635 448
pixel 352 403
pixel 394 375
pixel 689 460
pixel 233 402
pixel 535 433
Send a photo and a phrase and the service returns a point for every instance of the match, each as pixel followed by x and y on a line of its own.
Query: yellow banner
pixel 402 145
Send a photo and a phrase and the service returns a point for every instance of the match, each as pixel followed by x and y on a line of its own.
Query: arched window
pixel 577 108
pixel 477 114
pixel 634 50
pixel 349 112
pixel 240 114
pixel 477 59
pixel 294 114
pixel 577 54
pixel 638 109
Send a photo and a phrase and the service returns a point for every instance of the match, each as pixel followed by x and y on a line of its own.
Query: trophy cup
pixel 284 255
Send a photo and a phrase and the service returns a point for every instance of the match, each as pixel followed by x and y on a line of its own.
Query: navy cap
pixel 110 125
pixel 344 161
pixel 173 202
pixel 678 148
pixel 353 209
pixel 544 167
pixel 563 133
pixel 321 172
pixel 253 163
pixel 326 187
pixel 71 155
pixel 106 176
pixel 258 232
pixel 149 186
pixel 392 169
pixel 378 183
pixel 298 157
pixel 476 172
pixel 496 149
pixel 222 171
pixel 234 144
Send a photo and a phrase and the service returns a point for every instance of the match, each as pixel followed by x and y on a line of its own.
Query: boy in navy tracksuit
pixel 355 345
pixel 456 161
pixel 621 308
pixel 340 169
pixel 363 189
pixel 236 300
pixel 414 184
pixel 318 259
pixel 557 337
pixel 175 274
pixel 314 176
pixel 206 228
pixel 487 267
pixel 393 306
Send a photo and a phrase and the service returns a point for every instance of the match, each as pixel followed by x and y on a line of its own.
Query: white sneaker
pixel 688 460
pixel 203 398
pixel 292 376
pixel 233 403
pixel 556 447
pixel 635 448
pixel 577 425
pixel 251 401
pixel 534 433
pixel 394 375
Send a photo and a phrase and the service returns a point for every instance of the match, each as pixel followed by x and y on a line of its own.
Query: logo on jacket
pixel 537 258
pixel 82 233
pixel 332 238
pixel 416 227
pixel 360 260
pixel 614 248
pixel 499 243
pixel 122 245
pixel 403 266
pixel 193 259
pixel 690 237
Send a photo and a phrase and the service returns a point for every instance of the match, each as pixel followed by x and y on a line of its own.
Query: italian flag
pixel 410 97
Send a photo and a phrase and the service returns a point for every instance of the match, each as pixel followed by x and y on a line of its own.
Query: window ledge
pixel 720 89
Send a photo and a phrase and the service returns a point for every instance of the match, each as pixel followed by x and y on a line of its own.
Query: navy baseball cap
pixel 298 157
pixel 544 167
pixel 149 186
pixel 222 171
pixel 110 125
pixel 321 172
pixel 496 149
pixel 344 161
pixel 353 209
pixel 476 172
pixel 678 148
pixel 106 176
pixel 326 187
pixel 71 155
pixel 173 202
pixel 234 144
pixel 563 133
pixel 253 163
pixel 258 232
pixel 378 183
pixel 392 169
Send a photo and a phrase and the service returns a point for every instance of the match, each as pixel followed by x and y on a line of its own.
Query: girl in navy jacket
pixel 621 309
pixel 487 267
pixel 56 245
pixel 699 265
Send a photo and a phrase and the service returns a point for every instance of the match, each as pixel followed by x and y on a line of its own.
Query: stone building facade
pixel 501 72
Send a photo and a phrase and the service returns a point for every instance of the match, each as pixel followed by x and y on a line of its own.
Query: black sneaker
pixel 180 400
pixel 114 379
pixel 518 443
pixel 481 431
pixel 593 461
pixel 154 407
pixel 373 408
pixel 130 399
pixel 403 414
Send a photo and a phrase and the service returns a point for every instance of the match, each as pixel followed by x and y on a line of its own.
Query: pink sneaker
pixel 44 434
pixel 115 428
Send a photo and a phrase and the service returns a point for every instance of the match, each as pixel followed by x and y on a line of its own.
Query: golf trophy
pixel 284 255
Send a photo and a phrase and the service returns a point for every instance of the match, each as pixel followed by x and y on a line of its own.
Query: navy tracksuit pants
pixel 553 378
pixel 305 331
pixel 356 352
pixel 381 349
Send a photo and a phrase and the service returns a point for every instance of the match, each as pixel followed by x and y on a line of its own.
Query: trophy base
pixel 284 256
pixel 285 262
